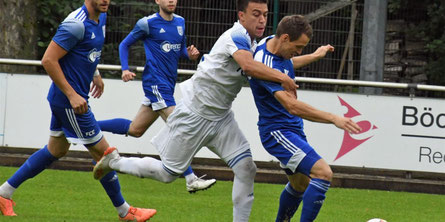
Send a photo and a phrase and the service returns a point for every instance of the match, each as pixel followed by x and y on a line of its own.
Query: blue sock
pixel 116 126
pixel 110 182
pixel 289 201
pixel 313 199
pixel 35 164
pixel 188 171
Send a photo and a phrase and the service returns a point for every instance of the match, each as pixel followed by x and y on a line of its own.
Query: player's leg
pixel 231 145
pixel 291 196
pixel 175 148
pixel 36 163
pixel 193 183
pixel 97 144
pixel 314 196
pixel 287 146
pixel 144 118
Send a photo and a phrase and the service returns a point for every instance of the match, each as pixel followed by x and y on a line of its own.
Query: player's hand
pixel 97 87
pixel 79 104
pixel 193 52
pixel 127 75
pixel 346 124
pixel 323 50
pixel 290 86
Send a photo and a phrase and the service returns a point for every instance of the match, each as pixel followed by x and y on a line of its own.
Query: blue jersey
pixel 272 115
pixel 83 39
pixel 164 43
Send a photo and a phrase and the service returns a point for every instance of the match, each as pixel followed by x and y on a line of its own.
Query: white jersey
pixel 219 78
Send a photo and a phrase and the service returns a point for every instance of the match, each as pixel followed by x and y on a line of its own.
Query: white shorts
pixel 186 133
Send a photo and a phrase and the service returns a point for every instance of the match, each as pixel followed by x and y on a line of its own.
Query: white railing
pixel 297 79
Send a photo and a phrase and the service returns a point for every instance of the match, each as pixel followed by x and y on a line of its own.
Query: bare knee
pixel 324 174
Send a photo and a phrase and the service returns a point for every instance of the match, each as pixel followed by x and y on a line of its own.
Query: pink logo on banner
pixel 349 142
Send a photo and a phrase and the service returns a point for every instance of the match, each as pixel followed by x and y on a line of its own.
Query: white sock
pixel 242 192
pixel 6 190
pixel 190 178
pixel 146 167
pixel 123 209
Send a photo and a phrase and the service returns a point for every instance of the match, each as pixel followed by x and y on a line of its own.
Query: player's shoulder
pixel 74 22
pixel 179 18
pixel 239 32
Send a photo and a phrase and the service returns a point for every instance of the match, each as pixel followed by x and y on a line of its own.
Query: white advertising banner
pixel 398 132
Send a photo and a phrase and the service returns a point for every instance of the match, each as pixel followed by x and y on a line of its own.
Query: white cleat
pixel 200 184
pixel 102 167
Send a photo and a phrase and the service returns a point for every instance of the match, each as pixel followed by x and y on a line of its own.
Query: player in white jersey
pixel 204 117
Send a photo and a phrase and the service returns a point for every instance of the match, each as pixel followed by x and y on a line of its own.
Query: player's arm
pixel 300 61
pixel 98 85
pixel 306 111
pixel 50 62
pixel 140 31
pixel 258 70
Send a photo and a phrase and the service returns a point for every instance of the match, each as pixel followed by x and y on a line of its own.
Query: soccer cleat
pixel 199 184
pixel 102 167
pixel 138 214
pixel 6 207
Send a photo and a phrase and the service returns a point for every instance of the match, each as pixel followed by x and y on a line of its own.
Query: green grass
pixel 56 195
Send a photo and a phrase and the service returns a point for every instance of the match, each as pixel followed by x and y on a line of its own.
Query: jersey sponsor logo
pixel 352 141
pixel 93 55
pixel 180 30
pixel 93 36
pixel 162 30
pixel 166 46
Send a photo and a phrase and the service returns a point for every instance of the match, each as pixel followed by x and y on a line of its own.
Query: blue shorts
pixel 78 129
pixel 158 97
pixel 291 148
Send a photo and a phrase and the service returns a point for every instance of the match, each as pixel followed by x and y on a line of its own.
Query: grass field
pixel 56 195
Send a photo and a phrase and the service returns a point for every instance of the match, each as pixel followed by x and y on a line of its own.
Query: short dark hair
pixel 294 26
pixel 241 5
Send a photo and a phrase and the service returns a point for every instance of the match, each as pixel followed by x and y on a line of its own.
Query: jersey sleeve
pixel 140 31
pixel 271 87
pixel 239 40
pixel 69 33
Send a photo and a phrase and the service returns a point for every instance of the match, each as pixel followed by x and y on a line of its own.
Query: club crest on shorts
pixel 180 30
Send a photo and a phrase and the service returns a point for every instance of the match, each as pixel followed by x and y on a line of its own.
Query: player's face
pixel 100 5
pixel 290 49
pixel 254 19
pixel 167 6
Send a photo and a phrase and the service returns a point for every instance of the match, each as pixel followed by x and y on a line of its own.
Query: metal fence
pixel 206 20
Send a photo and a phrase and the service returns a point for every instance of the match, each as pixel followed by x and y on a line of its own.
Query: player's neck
pixel 166 16
pixel 272 45
pixel 93 14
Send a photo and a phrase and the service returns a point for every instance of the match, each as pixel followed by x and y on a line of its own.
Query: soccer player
pixel 280 120
pixel 204 116
pixel 164 39
pixel 70 60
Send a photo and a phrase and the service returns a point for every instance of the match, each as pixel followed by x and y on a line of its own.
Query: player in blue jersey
pixel 163 34
pixel 280 120
pixel 70 60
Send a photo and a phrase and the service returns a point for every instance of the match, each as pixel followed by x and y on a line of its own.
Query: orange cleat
pixel 6 207
pixel 102 167
pixel 138 214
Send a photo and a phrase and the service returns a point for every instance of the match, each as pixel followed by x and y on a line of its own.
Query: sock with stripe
pixel 35 164
pixel 290 199
pixel 189 175
pixel 116 126
pixel 313 199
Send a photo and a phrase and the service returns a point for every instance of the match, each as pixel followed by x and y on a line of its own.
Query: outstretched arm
pixel 306 111
pixel 300 61
pixel 258 70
